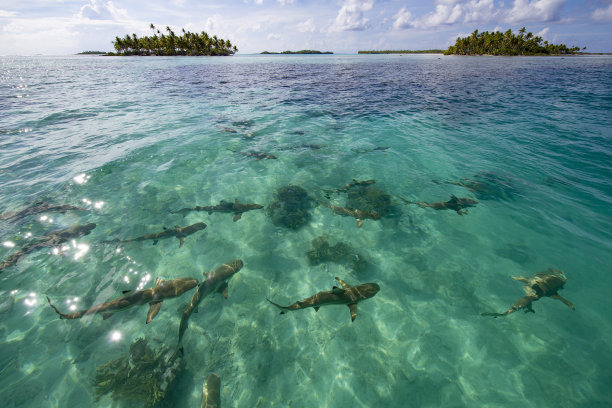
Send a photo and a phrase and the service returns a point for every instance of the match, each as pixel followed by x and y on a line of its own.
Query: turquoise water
pixel 132 139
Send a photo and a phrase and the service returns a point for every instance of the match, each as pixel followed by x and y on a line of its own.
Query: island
pixel 403 52
pixel 159 44
pixel 92 53
pixel 498 43
pixel 297 52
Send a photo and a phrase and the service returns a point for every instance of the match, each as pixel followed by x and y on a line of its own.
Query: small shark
pixel 455 204
pixel 237 208
pixel 354 183
pixel 38 208
pixel 211 392
pixel 346 295
pixel 357 214
pixel 257 155
pixel 50 239
pixel 179 232
pixel 216 281
pixel 545 283
pixel 153 296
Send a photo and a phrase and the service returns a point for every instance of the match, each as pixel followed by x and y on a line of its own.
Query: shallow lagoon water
pixel 132 139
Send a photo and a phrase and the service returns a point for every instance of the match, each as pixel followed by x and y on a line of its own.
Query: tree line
pixel 169 43
pixel 498 43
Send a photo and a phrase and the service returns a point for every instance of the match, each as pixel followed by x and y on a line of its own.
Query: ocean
pixel 361 164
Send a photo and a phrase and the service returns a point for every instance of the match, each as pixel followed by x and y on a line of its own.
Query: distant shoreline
pixel 302 52
pixel 402 52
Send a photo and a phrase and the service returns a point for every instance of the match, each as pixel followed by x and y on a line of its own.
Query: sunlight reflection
pixel 82 249
pixel 126 279
pixel 115 335
pixel 98 204
pixel 8 244
pixel 31 300
pixel 81 178
pixel 28 234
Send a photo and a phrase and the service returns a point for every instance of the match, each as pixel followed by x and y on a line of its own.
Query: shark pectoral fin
pixel 316 308
pixel 210 212
pixel 359 223
pixel 155 242
pixel 106 315
pixel 181 241
pixel 237 217
pixel 223 289
pixel 520 279
pixel 353 309
pixel 154 308
pixel 564 300
pixel 337 291
pixel 126 291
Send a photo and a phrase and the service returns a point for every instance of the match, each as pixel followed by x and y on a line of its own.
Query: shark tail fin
pixel 283 308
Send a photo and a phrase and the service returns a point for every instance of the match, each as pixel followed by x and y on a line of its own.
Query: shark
pixel 257 155
pixel 359 215
pixel 179 232
pixel 545 283
pixel 215 281
pixel 455 204
pixel 237 208
pixel 38 208
pixel 344 295
pixel 153 296
pixel 354 183
pixel 211 392
pixel 50 239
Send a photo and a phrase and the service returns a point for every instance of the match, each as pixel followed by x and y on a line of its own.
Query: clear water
pixel 132 139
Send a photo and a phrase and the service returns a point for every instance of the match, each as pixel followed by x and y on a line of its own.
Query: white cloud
pixel 4 13
pixel 543 32
pixel 603 15
pixel 403 19
pixel 274 36
pixel 307 26
pixel 535 10
pixel 285 2
pixel 255 1
pixel 449 12
pixel 99 10
pixel 350 16
pixel 212 23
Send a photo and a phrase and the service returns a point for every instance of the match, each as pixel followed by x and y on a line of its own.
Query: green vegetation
pixel 299 52
pixel 92 53
pixel 402 52
pixel 498 43
pixel 170 44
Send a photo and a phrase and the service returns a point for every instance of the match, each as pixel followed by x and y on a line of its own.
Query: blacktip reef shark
pixel 545 283
pixel 357 214
pixel 211 392
pixel 354 183
pixel 50 239
pixel 153 296
pixel 38 208
pixel 346 295
pixel 237 208
pixel 179 232
pixel 455 204
pixel 216 281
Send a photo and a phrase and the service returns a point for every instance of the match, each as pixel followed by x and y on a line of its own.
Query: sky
pixel 59 27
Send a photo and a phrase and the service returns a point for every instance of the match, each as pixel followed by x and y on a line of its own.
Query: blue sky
pixel 344 26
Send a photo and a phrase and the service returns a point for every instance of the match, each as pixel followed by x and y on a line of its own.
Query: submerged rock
pixel 143 378
pixel 291 209
pixel 369 198
pixel 321 251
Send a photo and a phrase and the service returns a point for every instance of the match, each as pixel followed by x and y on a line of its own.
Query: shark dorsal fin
pixel 336 290
pixel 106 315
pixel 125 292
pixel 316 308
